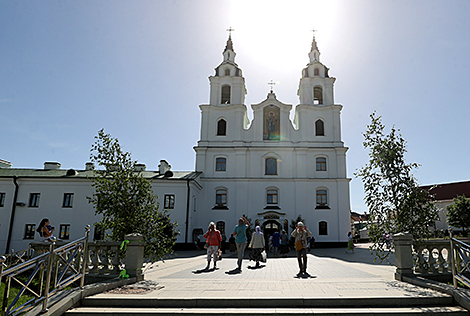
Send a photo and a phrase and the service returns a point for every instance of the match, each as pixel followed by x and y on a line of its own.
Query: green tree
pixel 293 223
pixel 458 214
pixel 396 202
pixel 125 200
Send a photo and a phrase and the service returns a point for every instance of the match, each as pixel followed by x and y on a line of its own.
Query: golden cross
pixel 230 31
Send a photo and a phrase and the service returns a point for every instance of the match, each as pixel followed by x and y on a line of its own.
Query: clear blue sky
pixel 139 69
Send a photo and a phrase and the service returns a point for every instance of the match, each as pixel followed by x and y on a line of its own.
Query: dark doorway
pixel 269 227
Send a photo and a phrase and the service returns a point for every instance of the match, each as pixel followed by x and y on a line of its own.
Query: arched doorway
pixel 269 227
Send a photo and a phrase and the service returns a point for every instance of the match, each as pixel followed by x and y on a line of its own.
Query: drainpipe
pixel 12 217
pixel 187 214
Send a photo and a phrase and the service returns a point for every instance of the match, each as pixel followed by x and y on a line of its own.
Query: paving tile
pixel 336 275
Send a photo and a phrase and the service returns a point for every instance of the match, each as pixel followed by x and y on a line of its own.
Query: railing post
pixel 403 255
pixel 85 255
pixel 2 264
pixel 452 257
pixel 48 273
pixel 5 302
pixel 135 256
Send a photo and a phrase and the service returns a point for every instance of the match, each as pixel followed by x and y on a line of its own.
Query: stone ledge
pixel 63 301
pixel 460 296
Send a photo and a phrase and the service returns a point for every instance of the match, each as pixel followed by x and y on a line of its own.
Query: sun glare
pixel 278 29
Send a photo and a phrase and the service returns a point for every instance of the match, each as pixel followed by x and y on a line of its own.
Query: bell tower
pixel 316 86
pixel 227 86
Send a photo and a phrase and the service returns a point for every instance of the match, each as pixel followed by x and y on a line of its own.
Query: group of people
pixel 257 244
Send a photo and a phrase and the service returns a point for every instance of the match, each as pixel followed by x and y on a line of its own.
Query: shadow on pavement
pixel 205 270
pixel 361 254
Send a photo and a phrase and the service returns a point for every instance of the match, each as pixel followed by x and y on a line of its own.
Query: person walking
pixel 239 232
pixel 257 245
pixel 276 243
pixel 214 239
pixel 300 234
pixel 350 243
pixel 284 243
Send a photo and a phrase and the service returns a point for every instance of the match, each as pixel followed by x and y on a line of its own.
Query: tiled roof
pixel 62 173
pixel 449 191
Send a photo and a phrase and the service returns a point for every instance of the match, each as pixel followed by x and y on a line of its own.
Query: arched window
pixel 220 164
pixel 221 128
pixel 317 95
pixel 322 199
pixel 221 197
pixel 227 72
pixel 323 228
pixel 225 95
pixel 316 72
pixel 271 196
pixel 319 128
pixel 321 164
pixel 271 166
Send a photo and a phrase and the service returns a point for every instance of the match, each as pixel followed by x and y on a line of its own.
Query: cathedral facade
pixel 271 170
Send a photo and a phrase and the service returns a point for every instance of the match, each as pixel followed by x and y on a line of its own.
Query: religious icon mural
pixel 271 130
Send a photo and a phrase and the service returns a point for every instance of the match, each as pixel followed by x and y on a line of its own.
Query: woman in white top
pixel 257 245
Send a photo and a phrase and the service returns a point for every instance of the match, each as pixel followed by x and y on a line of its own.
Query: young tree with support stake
pixel 125 199
pixel 396 202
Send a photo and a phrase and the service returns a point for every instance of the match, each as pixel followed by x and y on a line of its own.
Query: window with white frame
pixel 220 164
pixel 225 98
pixel 68 200
pixel 169 201
pixel 319 128
pixel 272 196
pixel 34 199
pixel 322 198
pixel 29 231
pixel 271 166
pixel 221 197
pixel 64 232
pixel 222 127
pixel 322 228
pixel 220 225
pixel 321 164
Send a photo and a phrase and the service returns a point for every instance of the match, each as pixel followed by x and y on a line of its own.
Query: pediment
pixel 272 101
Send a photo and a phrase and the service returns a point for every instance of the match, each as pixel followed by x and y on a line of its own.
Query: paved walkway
pixel 335 274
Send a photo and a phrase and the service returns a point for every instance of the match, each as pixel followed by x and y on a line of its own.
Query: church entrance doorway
pixel 269 227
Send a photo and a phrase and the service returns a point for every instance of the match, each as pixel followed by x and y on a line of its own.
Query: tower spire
pixel 314 42
pixel 229 41
pixel 314 51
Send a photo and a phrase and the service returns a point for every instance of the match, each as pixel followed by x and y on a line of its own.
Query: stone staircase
pixel 442 305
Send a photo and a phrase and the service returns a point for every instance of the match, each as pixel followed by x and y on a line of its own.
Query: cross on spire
pixel 230 31
pixel 313 30
pixel 272 84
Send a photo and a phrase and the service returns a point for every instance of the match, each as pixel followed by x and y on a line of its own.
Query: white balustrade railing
pixel 431 257
pixel 104 258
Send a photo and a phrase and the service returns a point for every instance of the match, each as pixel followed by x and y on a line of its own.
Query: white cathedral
pixel 270 169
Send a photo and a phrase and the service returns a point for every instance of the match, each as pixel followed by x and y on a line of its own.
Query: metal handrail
pixel 460 256
pixel 16 257
pixel 42 267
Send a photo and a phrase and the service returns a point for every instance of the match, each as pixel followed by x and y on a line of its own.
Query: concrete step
pixel 439 305
pixel 436 310
pixel 274 302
